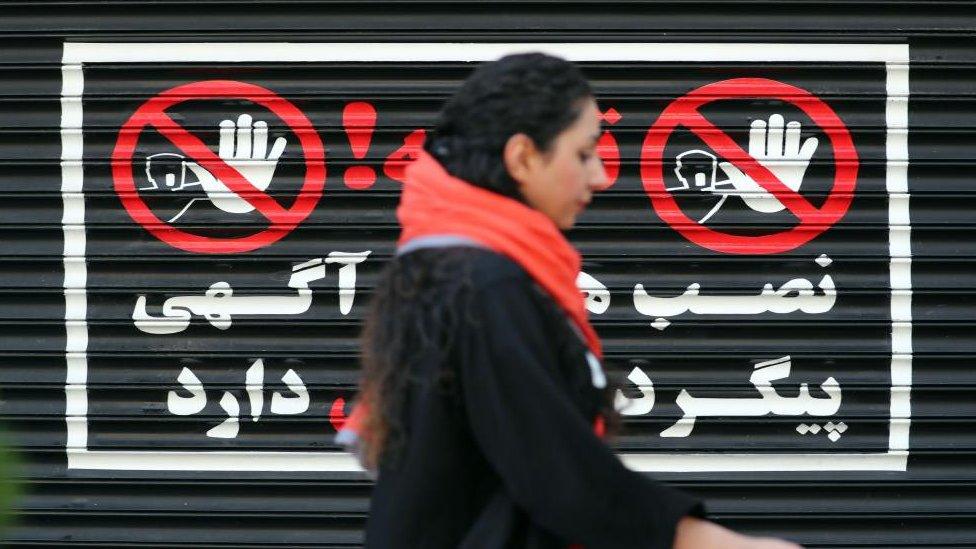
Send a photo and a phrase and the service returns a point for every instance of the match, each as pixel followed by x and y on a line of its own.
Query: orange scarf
pixel 435 203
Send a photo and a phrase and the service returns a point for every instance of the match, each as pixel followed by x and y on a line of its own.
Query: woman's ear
pixel 520 157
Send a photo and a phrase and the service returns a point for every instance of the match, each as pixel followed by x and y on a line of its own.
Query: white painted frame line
pixel 75 54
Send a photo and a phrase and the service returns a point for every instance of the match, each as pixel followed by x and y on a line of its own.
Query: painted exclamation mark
pixel 358 120
pixel 608 149
pixel 337 414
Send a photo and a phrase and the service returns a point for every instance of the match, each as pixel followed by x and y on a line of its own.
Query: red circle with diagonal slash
pixel 153 113
pixel 813 220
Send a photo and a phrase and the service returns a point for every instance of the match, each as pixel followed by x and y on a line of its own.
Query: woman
pixel 483 399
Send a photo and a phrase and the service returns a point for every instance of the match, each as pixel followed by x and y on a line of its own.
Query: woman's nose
pixel 598 176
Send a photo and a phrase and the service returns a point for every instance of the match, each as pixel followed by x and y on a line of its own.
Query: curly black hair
pixel 414 308
pixel 532 93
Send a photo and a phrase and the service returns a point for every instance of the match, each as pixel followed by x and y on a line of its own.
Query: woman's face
pixel 561 181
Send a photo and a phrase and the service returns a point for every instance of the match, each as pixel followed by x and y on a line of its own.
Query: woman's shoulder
pixel 495 276
pixel 489 267
pixel 483 267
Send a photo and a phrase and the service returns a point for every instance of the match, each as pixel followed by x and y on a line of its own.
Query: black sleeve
pixel 553 465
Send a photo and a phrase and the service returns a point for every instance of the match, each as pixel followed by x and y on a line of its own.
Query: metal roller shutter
pixel 176 351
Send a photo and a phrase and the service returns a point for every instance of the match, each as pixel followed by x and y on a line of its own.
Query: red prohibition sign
pixel 283 220
pixel 813 220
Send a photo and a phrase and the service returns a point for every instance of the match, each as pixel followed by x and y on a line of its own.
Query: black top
pixel 506 456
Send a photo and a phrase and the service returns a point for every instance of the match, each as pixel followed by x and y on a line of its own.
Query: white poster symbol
pixel 777 150
pixel 243 146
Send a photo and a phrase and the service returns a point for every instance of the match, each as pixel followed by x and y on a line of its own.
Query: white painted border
pixel 336 462
pixel 75 54
pixel 900 254
pixel 129 460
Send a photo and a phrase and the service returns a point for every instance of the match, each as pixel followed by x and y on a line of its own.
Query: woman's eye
pixel 585 156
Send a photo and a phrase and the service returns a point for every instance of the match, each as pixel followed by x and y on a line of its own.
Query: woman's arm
pixel 694 533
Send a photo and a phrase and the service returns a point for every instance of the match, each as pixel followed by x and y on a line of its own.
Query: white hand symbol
pixel 784 157
pixel 246 150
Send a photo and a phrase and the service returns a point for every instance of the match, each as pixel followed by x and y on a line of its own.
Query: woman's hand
pixel 694 533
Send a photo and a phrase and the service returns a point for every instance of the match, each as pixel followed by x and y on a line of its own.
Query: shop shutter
pixel 175 357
